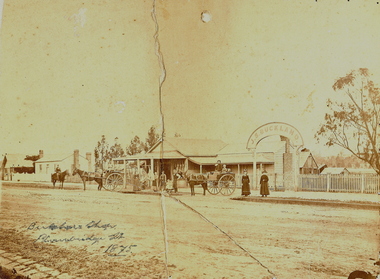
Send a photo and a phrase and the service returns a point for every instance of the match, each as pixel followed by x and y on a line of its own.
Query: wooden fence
pixel 350 183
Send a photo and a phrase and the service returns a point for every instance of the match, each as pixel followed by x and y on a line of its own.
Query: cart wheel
pixel 113 181
pixel 227 184
pixel 357 274
pixel 212 187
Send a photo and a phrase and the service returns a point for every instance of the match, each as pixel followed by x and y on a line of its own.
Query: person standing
pixel 264 190
pixel 155 182
pixel 163 181
pixel 175 178
pixel 245 189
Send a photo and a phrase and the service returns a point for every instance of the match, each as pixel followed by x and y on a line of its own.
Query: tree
pixel 116 150
pixel 102 153
pixel 353 121
pixel 136 146
pixel 152 139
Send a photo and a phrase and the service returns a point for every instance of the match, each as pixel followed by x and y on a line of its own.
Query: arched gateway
pixel 294 140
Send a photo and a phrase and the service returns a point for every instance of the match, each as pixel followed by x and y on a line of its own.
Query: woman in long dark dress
pixel 264 190
pixel 245 189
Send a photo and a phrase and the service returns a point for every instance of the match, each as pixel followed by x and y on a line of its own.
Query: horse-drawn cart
pixel 215 182
pixel 118 179
pixel 114 180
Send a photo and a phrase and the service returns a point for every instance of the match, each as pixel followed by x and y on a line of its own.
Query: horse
pixel 87 176
pixel 60 176
pixel 196 179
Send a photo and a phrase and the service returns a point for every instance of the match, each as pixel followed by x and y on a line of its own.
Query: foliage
pixel 116 150
pixel 153 137
pixel 353 122
pixel 341 161
pixel 136 146
pixel 102 153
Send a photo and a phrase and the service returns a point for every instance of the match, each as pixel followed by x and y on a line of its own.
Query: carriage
pixel 116 179
pixel 215 182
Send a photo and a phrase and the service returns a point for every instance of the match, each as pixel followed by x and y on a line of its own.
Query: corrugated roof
pixel 203 160
pixel 191 147
pixel 197 147
pixel 267 157
pixel 240 148
pixel 171 154
pixel 17 160
pixel 234 159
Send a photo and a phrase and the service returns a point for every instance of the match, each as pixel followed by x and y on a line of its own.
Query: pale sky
pixel 74 70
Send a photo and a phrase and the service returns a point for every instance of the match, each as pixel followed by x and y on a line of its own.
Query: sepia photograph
pixel 185 139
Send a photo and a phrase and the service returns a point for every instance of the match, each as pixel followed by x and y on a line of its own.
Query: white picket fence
pixel 350 183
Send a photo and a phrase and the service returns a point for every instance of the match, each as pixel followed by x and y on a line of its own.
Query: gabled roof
pixel 189 147
pixel 304 155
pixel 247 158
pixel 240 148
pixel 16 160
pixel 53 158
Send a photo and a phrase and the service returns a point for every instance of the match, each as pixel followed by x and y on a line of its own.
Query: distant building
pixel 361 171
pixel 45 166
pixel 15 163
pixel 335 171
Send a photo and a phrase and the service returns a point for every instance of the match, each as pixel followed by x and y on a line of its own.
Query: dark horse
pixel 59 177
pixel 196 179
pixel 89 176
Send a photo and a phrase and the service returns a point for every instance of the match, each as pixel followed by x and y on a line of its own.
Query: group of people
pixel 220 168
pixel 245 189
pixel 160 182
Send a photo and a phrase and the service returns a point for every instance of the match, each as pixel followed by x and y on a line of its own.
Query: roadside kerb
pixel 300 201
pixel 26 267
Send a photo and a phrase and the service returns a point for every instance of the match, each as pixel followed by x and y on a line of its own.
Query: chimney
pixel 40 154
pixel 76 159
pixel 287 143
pixel 88 157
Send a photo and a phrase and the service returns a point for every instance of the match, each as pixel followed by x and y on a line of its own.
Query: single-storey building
pixel 361 171
pixel 15 163
pixel 335 170
pixel 201 155
pixel 46 165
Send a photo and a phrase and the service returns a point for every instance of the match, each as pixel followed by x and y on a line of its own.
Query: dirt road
pixel 112 235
